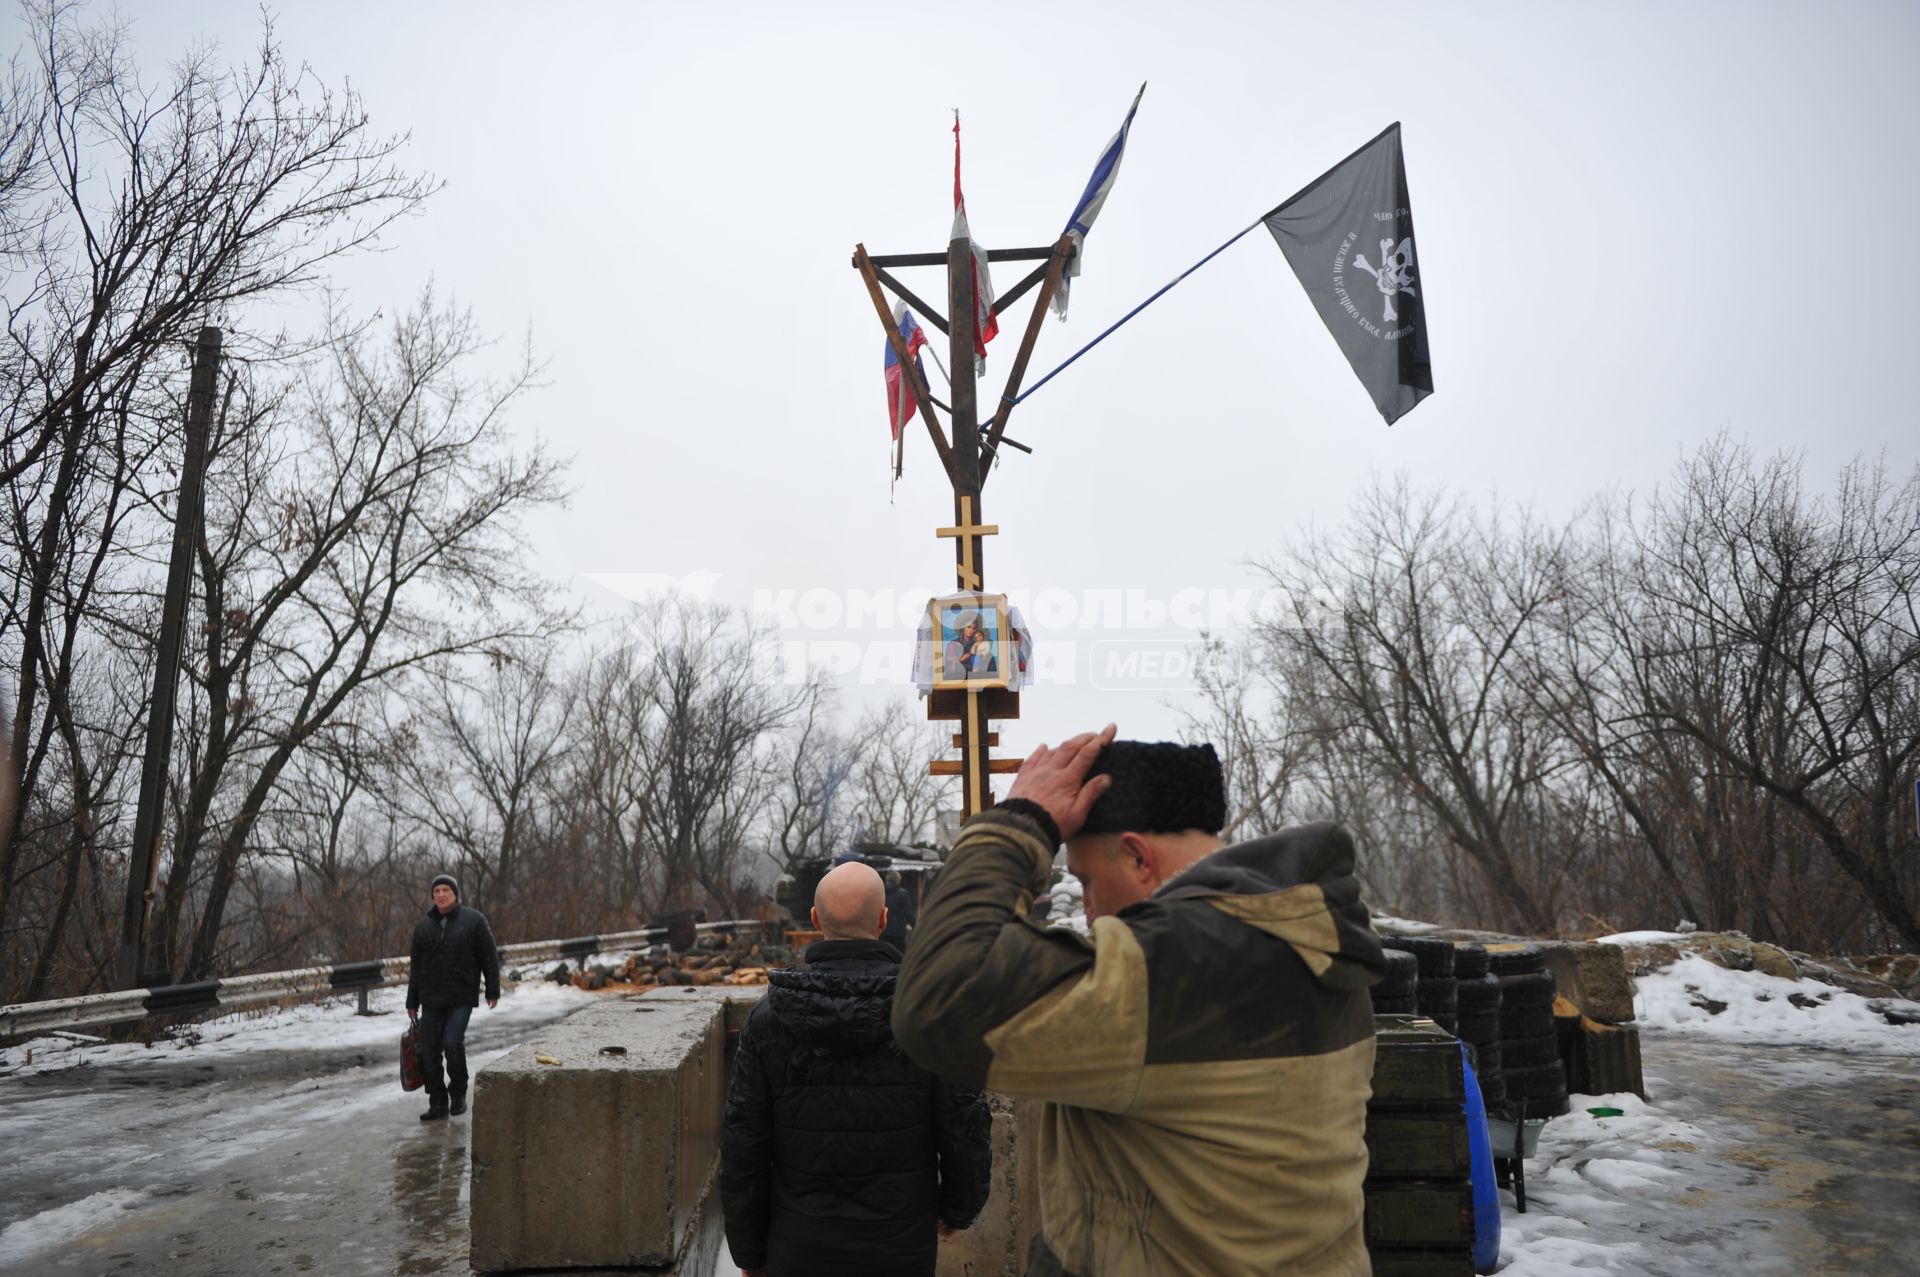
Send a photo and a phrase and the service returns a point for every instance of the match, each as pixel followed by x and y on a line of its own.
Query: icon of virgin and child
pixel 969 644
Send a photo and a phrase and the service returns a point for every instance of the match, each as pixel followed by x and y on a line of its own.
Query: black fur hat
pixel 1159 787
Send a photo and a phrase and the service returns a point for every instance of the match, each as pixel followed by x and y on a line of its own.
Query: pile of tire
pixel 1536 1082
pixel 1434 992
pixel 1477 1023
pixel 1394 995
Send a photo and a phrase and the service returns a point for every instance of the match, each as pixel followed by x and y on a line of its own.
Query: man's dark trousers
pixel 443 1031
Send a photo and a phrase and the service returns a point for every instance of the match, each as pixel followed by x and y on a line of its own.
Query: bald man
pixel 839 1155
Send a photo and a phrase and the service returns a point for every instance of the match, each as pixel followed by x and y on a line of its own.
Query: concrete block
pixel 996 1245
pixel 1606 1060
pixel 1594 978
pixel 736 1000
pixel 605 1158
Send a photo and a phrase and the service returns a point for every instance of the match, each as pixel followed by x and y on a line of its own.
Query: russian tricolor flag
pixel 902 402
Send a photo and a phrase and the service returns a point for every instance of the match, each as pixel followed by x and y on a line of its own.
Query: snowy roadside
pixel 1681 1183
pixel 1705 1178
pixel 314 1029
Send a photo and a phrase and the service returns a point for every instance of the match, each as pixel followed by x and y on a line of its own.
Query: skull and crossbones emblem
pixel 1395 273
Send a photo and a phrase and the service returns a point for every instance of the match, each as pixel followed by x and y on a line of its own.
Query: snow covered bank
pixel 1702 999
pixel 318 1026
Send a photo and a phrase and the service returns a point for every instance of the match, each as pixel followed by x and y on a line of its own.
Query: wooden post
pixel 970 571
pixel 144 859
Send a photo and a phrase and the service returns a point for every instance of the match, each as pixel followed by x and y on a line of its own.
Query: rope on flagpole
pixel 1028 392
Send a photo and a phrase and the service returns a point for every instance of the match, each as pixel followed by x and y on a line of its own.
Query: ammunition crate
pixel 1420 1215
pixel 1455 1262
pixel 1417 1146
pixel 1417 1066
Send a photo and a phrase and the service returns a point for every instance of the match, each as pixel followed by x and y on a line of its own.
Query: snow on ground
pixel 1644 937
pixel 315 1026
pixel 1704 1000
pixel 1390 925
pixel 1591 1177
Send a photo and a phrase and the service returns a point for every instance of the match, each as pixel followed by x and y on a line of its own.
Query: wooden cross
pixel 973 708
pixel 967 558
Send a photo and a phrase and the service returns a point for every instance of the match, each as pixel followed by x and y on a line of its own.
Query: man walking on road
pixel 452 949
pixel 1206 1052
pixel 839 1156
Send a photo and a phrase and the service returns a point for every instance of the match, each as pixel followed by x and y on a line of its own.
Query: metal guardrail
pixel 310 983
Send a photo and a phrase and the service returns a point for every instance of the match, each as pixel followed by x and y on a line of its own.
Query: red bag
pixel 412 1078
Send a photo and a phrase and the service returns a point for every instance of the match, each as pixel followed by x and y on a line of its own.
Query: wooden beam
pixel 907 295
pixel 864 265
pixel 993 738
pixel 995 766
pixel 940 259
pixel 1056 266
pixel 1003 300
pixel 950 703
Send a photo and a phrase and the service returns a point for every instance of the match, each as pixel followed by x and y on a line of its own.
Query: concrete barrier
pixel 605 1157
pixel 607 1161
pixel 996 1245
pixel 1594 978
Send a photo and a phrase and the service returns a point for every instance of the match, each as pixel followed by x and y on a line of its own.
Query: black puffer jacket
pixel 839 1153
pixel 448 962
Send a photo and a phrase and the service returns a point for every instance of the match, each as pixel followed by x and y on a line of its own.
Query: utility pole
pixel 144 862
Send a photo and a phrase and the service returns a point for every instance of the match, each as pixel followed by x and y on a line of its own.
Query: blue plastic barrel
pixel 1486 1193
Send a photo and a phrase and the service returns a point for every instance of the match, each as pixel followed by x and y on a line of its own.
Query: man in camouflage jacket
pixel 1205 1052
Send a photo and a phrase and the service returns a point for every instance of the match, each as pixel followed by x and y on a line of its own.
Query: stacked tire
pixel 1434 993
pixel 1536 1084
pixel 1395 994
pixel 1477 1002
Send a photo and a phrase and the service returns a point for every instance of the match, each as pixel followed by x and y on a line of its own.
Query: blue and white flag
pixel 1092 200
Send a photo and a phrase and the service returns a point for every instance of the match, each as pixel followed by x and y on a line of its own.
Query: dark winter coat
pixel 899 918
pixel 839 1154
pixel 448 963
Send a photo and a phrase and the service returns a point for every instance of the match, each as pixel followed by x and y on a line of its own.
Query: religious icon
pixel 971 645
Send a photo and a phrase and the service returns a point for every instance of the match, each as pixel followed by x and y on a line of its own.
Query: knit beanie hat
pixel 447 879
pixel 1159 787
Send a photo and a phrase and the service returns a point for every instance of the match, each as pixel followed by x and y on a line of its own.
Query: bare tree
pixel 895 794
pixel 369 529
pixel 477 763
pixel 129 216
pixel 703 716
pixel 1814 604
pixel 809 805
pixel 1410 618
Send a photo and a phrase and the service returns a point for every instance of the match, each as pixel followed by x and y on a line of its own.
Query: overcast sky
pixel 1638 224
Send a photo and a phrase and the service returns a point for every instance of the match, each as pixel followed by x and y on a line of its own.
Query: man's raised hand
pixel 1057 779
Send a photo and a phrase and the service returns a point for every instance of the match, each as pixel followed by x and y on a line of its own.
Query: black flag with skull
pixel 1349 238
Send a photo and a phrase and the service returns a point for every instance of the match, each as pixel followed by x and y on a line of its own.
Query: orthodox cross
pixel 967 459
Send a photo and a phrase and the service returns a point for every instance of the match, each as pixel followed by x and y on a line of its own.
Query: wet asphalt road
pixel 1822 1172
pixel 187 1170
pixel 184 1169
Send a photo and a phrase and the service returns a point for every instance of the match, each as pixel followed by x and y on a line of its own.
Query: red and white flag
pixel 985 326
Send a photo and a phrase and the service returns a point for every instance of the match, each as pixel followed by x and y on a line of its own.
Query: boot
pixel 436 1111
pixel 458 1106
